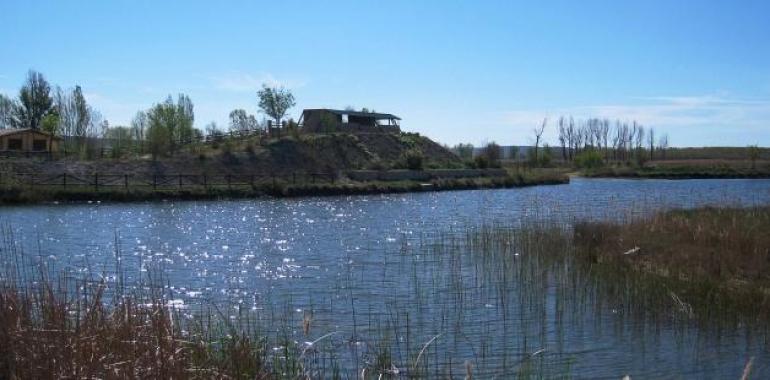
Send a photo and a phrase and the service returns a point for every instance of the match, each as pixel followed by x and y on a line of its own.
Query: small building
pixel 328 121
pixel 26 141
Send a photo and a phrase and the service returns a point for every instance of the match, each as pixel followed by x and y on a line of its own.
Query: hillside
pixel 311 153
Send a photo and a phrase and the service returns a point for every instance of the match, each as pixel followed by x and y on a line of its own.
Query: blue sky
pixel 457 71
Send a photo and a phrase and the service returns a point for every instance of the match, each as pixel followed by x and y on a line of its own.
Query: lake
pixel 361 267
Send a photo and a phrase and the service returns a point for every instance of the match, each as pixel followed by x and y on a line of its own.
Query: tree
pixel 50 123
pixel 493 153
pixel 121 140
pixel 169 125
pixel 753 155
pixel 651 143
pixel 35 99
pixel 275 101
pixel 538 136
pixel 82 115
pixel 213 130
pixel 242 121
pixel 138 128
pixel 563 137
pixel 663 145
pixel 8 112
pixel 464 151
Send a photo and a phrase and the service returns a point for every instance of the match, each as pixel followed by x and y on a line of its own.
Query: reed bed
pixel 524 300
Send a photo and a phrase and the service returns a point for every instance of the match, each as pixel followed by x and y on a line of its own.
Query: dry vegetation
pixel 717 259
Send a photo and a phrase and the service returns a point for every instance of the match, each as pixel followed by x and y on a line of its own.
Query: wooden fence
pixel 99 181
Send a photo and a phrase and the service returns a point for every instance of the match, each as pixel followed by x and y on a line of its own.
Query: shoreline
pixel 674 174
pixel 23 196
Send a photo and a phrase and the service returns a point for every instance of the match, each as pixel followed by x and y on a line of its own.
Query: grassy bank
pixel 22 194
pixel 685 169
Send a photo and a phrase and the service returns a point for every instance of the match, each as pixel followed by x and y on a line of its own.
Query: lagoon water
pixel 356 264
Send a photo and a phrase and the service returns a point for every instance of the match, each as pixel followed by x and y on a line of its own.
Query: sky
pixel 456 71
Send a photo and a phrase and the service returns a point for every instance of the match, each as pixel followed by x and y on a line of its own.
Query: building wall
pixel 27 141
pixel 329 122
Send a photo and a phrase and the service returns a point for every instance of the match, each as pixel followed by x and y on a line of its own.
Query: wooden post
pixel 64 180
pixel 96 181
pixel 125 181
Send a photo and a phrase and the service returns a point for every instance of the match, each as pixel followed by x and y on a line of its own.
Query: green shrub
pixel 589 159
pixel 481 161
pixel 413 158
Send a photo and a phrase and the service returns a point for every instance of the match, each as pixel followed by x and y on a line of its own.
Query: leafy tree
pixel 169 125
pixel 50 123
pixel 35 99
pixel 275 101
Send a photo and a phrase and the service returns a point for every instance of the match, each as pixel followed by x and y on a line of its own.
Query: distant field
pixel 726 153
pixel 709 162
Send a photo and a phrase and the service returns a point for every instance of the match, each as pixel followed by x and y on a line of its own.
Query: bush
pixel 413 159
pixel 481 162
pixel 589 159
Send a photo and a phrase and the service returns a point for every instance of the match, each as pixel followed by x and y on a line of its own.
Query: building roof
pixel 374 115
pixel 13 131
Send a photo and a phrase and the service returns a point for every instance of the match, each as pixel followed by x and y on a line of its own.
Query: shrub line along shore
pixel 678 172
pixel 22 195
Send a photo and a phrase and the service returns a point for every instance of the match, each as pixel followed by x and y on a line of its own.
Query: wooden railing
pixel 99 181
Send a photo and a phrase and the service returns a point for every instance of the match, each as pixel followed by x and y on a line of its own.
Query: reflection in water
pixel 356 264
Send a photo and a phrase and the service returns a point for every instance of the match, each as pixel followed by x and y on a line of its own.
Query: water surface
pixel 355 263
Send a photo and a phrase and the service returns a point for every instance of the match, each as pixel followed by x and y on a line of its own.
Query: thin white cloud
pixel 710 116
pixel 244 82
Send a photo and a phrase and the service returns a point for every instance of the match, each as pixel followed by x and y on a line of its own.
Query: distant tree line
pixel 590 142
pixel 614 141
pixel 61 112
pixel 163 129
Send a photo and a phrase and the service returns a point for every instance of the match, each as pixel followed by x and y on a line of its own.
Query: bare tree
pixel 605 131
pixel 651 143
pixel 8 112
pixel 563 137
pixel 663 145
pixel 753 156
pixel 240 120
pixel 538 136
